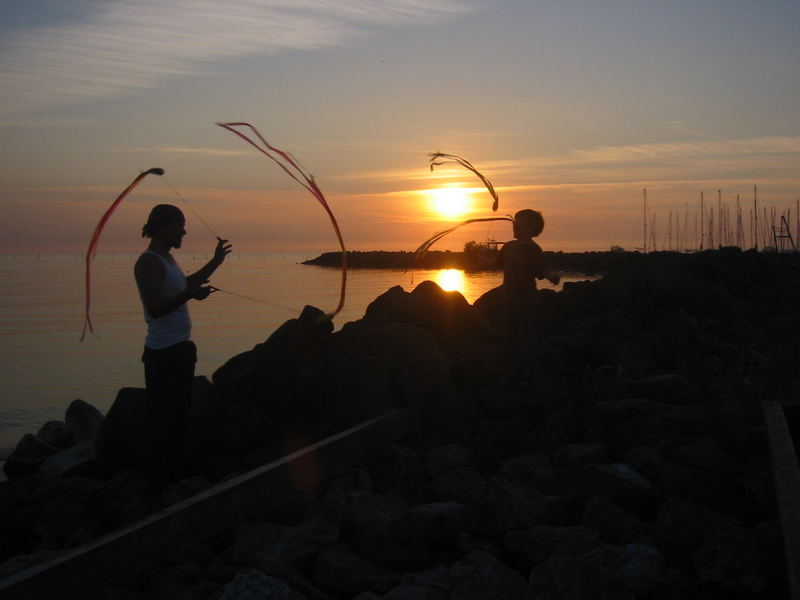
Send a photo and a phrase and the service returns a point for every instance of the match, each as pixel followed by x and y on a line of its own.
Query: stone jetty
pixel 631 462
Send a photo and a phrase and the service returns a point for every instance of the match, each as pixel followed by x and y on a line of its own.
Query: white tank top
pixel 173 327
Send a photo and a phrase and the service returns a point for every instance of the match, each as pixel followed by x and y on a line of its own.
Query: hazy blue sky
pixel 571 107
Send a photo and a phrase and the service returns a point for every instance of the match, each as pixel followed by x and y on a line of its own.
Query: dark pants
pixel 168 375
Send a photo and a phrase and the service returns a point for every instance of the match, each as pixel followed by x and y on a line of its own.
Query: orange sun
pixel 450 202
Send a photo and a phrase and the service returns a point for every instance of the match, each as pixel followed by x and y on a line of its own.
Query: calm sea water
pixel 45 366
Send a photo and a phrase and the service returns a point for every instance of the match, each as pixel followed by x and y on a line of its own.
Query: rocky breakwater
pixel 632 463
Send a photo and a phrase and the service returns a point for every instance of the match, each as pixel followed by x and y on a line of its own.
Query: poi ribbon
pixel 452 158
pixel 285 161
pixel 92 250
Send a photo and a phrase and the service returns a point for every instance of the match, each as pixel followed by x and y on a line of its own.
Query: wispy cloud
pixel 129 44
pixel 733 161
pixel 188 151
pixel 686 149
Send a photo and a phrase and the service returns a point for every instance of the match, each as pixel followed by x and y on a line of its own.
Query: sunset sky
pixel 570 107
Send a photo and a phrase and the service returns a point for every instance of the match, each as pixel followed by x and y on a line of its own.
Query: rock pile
pixel 632 463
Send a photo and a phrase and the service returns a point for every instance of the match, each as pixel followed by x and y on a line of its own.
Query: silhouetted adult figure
pixel 169 354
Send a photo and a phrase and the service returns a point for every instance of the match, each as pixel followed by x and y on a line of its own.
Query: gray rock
pixel 615 410
pixel 250 584
pixel 480 575
pixel 388 366
pixel 53 433
pixel 384 530
pixel 640 568
pixel 669 388
pixel 448 458
pixel 438 523
pixel 410 592
pixel 285 544
pixel 296 580
pixel 555 429
pixel 650 430
pixel 682 527
pixel 504 506
pixel 647 461
pixel 576 455
pixel 184 489
pixel 393 467
pixel 618 481
pixel 524 468
pixel 477 576
pixel 21 562
pixel 637 567
pixel 63 507
pixel 703 453
pixel 533 546
pixel 242 426
pixel 726 554
pixel 70 460
pixel 81 421
pixel 612 523
pixel 27 456
pixel 121 438
pixel 458 486
pixel 570 578
pixel 447 315
pixel 340 570
pixel 173 580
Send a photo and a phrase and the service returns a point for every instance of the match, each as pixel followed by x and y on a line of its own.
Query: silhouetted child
pixel 522 261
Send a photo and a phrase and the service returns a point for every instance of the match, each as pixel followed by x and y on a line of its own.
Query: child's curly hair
pixel 531 220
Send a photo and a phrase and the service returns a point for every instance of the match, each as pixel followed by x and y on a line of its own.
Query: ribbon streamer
pixel 285 161
pixel 425 246
pixel 92 250
pixel 452 158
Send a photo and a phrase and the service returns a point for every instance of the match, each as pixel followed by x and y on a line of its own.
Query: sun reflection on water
pixel 451 280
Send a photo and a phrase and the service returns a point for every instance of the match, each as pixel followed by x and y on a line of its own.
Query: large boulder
pixel 54 434
pixel 683 527
pixel 28 455
pixel 250 584
pixel 447 315
pixel 612 523
pixel 533 546
pixel 275 375
pixel 122 436
pixel 342 571
pixel 389 366
pixel 81 421
pixel 668 387
pixel 477 576
pixel 289 545
pixel 79 459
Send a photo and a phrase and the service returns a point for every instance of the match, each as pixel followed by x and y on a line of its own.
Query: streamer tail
pixel 292 168
pixel 435 160
pixel 425 246
pixel 93 243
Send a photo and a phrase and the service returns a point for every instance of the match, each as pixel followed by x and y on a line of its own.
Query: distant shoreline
pixel 583 262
